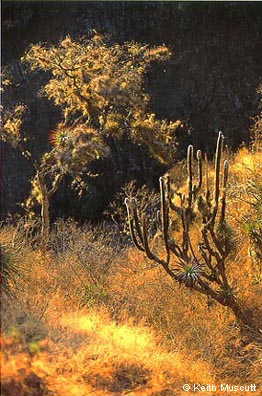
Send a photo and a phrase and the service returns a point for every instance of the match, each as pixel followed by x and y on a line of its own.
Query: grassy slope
pixel 90 319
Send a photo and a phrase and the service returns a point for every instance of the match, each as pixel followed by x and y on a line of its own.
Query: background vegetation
pixel 209 83
pixel 84 311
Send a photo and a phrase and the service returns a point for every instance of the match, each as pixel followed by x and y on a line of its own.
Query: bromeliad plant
pixel 201 267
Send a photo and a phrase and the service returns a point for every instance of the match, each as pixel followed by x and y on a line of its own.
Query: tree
pixel 102 85
pixel 74 149
pixel 202 265
pixel 99 89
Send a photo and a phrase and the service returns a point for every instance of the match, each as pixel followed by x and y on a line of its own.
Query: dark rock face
pixel 210 82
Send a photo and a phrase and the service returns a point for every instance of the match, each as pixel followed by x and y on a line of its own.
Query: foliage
pixel 102 84
pixel 256 129
pixel 99 89
pixel 12 121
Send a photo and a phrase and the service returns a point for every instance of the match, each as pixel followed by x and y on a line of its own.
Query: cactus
pixel 202 267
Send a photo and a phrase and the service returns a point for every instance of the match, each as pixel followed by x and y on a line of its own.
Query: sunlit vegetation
pixel 101 84
pixel 99 88
pixel 85 310
pixel 199 213
pixel 93 316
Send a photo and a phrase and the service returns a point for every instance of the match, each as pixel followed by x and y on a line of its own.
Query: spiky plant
pixel 11 251
pixel 202 267
pixel 189 273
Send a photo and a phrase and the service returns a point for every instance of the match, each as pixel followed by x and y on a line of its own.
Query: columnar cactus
pixel 201 267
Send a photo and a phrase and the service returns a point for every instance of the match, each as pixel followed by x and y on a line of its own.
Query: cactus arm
pixel 202 287
pixel 208 261
pixel 200 170
pixel 220 266
pixel 148 251
pixel 204 255
pixel 211 251
pixel 131 226
pixel 216 242
pixel 190 174
pixel 150 254
pixel 219 151
pixel 185 243
pixel 212 248
pixel 207 181
pixel 158 218
pixel 136 219
pixel 176 208
pixel 133 236
pixel 223 200
pixel 175 249
pixel 164 193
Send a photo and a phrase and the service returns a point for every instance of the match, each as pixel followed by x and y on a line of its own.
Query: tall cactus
pixel 201 267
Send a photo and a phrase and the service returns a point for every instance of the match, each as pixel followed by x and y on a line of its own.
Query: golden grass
pixel 103 321
pixel 86 353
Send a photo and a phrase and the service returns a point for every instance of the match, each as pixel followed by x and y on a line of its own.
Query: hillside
pixel 93 316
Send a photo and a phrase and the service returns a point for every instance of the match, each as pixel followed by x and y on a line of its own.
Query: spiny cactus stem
pixel 131 225
pixel 207 180
pixel 216 241
pixel 191 247
pixel 126 201
pixel 145 239
pixel 208 260
pixel 137 224
pixel 219 151
pixel 223 200
pixel 200 170
pixel 175 249
pixel 163 201
pixel 148 252
pixel 200 287
pixel 176 208
pixel 164 211
pixel 207 244
pixel 158 217
pixel 133 236
pixel 190 174
pixel 226 172
pixel 167 187
pixel 185 231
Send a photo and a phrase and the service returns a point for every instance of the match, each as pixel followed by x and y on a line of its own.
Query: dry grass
pixel 92 318
pixel 86 353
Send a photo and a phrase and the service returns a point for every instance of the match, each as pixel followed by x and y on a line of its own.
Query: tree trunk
pixel 45 223
pixel 245 318
pixel 45 218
